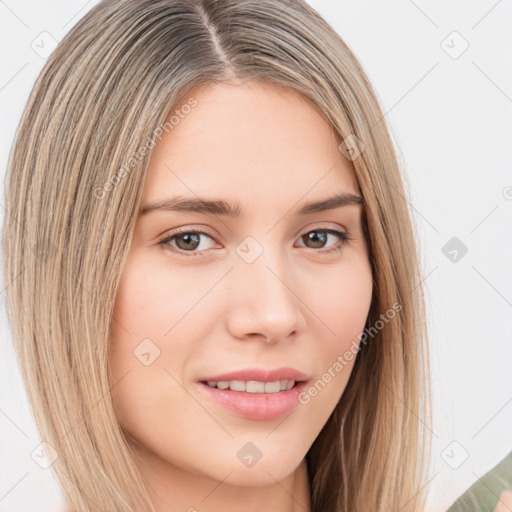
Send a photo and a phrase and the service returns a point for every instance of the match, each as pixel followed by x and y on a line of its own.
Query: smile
pixel 253 386
pixel 245 398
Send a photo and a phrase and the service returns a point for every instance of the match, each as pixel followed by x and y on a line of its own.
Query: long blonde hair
pixel 75 177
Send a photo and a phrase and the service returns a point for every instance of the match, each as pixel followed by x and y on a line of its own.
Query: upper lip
pixel 260 375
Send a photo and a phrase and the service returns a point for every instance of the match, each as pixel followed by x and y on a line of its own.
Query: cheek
pixel 140 301
pixel 341 308
pixel 343 303
pixel 148 349
pixel 157 301
pixel 149 402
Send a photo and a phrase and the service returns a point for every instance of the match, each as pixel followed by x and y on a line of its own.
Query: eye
pixel 312 236
pixel 186 241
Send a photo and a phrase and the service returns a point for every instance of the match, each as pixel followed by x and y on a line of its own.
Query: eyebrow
pixel 224 208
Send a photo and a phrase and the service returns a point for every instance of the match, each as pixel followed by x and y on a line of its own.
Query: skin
pixel 271 151
pixel 505 502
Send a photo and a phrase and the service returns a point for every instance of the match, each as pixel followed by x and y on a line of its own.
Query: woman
pixel 215 292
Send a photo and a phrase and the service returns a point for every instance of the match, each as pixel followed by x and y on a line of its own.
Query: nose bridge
pixel 264 300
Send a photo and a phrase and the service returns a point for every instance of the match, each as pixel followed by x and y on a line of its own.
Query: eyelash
pixel 164 241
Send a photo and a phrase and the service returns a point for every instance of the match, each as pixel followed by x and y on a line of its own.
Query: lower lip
pixel 256 406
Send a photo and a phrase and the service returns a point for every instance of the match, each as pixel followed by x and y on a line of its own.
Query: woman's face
pixel 192 307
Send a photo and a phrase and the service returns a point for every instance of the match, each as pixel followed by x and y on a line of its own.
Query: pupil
pixel 313 236
pixel 187 238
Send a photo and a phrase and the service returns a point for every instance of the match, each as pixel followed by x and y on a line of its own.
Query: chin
pixel 258 476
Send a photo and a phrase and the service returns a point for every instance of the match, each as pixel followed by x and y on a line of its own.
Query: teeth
pixel 272 387
pixel 253 386
pixel 237 385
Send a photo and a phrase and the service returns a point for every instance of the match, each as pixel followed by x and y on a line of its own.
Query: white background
pixel 451 120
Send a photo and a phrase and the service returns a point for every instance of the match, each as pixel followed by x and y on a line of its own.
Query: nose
pixel 263 304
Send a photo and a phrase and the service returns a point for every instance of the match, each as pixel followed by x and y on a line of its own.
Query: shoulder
pixel 485 493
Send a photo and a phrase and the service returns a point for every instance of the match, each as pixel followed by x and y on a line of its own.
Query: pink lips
pixel 260 375
pixel 257 406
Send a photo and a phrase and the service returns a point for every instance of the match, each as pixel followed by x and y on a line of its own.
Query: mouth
pixel 253 386
pixel 252 399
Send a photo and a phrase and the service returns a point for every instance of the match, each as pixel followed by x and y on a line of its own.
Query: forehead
pixel 254 141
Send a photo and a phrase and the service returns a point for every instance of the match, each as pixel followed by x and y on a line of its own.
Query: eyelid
pixel 319 225
pixel 205 231
pixel 185 229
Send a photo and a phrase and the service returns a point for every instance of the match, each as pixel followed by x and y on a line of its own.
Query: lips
pixel 250 403
pixel 260 375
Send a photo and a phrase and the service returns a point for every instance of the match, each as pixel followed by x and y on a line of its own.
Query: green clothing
pixel 484 494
